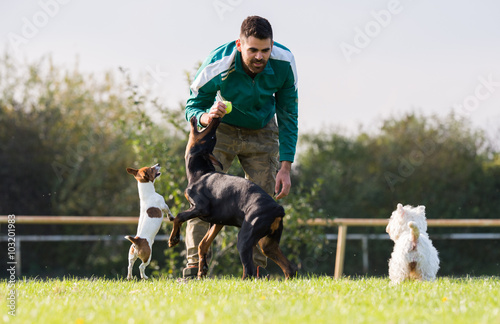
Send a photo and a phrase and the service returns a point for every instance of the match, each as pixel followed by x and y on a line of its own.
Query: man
pixel 259 77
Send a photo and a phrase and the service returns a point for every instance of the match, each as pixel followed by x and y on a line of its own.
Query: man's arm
pixel 287 117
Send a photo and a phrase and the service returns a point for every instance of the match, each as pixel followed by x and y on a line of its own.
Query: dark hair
pixel 257 27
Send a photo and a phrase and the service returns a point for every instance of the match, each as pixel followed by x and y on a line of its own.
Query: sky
pixel 358 62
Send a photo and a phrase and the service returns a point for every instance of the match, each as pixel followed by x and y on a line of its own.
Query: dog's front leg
pixel 175 236
pixel 167 212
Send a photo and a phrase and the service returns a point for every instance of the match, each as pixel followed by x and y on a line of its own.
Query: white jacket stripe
pixel 281 54
pixel 211 71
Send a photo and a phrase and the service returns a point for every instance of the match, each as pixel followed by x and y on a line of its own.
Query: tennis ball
pixel 229 106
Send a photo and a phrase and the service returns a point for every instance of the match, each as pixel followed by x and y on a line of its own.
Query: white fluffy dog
pixel 414 256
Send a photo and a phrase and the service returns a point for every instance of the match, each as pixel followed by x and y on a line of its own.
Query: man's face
pixel 254 53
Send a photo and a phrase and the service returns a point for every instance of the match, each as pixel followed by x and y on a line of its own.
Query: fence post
pixel 364 247
pixel 339 259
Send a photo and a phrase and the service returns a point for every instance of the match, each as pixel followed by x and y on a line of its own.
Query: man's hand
pixel 283 181
pixel 218 110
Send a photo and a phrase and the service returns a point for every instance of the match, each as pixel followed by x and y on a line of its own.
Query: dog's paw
pixel 202 273
pixel 173 241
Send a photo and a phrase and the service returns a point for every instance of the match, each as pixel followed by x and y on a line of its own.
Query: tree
pixel 66 139
pixel 442 163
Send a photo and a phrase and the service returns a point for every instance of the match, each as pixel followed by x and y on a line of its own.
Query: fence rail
pixel 73 220
pixel 341 223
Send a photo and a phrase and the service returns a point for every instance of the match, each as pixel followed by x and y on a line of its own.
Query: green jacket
pixel 255 101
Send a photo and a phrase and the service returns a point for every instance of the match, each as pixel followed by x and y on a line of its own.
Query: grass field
pixel 230 300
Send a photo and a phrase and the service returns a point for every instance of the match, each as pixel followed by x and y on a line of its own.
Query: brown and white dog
pixel 153 207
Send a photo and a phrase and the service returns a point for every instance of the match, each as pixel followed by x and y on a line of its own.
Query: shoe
pixel 190 272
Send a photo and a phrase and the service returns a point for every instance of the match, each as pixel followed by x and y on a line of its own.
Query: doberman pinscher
pixel 221 199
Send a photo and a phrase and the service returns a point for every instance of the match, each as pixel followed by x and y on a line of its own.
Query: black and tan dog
pixel 222 199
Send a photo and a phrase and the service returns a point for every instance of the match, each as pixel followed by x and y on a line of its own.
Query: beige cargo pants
pixel 257 151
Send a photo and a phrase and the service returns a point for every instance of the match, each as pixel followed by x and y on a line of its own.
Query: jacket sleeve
pixel 287 116
pixel 201 98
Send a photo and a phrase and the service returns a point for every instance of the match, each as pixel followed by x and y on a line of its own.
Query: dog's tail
pixel 133 240
pixel 415 233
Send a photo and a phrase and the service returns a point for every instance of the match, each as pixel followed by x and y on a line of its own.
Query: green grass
pixel 230 300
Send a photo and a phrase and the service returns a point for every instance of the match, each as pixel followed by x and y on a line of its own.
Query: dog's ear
pixel 421 209
pixel 132 171
pixel 214 161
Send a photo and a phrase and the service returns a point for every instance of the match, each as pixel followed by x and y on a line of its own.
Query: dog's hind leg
pixel 270 246
pixel 271 249
pixel 142 250
pixel 132 256
pixel 203 249
pixel 246 242
pixel 143 266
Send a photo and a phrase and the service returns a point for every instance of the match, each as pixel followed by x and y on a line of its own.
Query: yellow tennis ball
pixel 229 106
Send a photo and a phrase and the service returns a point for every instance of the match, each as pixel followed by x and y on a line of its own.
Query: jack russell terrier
pixel 153 207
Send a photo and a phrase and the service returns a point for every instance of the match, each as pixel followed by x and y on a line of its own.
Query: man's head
pixel 255 44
